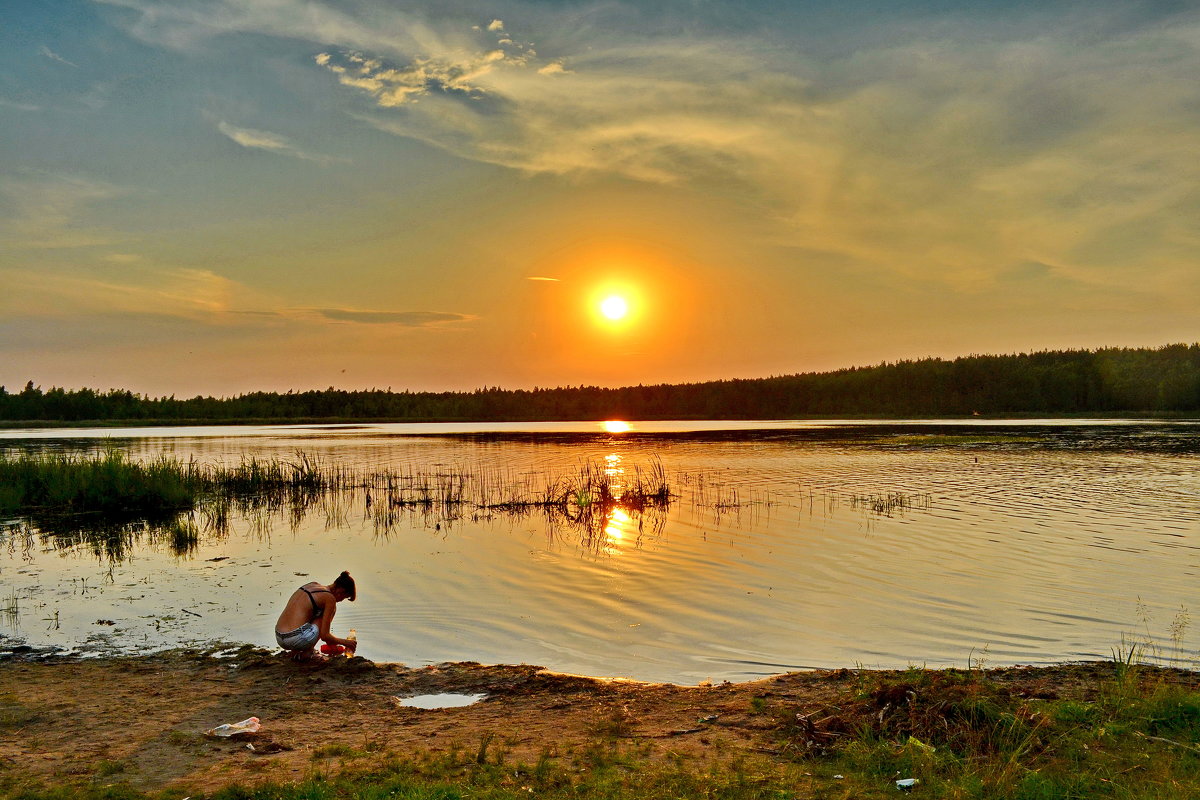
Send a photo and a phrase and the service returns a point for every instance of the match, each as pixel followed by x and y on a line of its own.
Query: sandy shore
pixel 141 720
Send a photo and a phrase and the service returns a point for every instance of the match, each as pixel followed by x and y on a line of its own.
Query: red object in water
pixel 332 649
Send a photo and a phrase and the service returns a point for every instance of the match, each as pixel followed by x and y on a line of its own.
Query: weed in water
pixel 10 610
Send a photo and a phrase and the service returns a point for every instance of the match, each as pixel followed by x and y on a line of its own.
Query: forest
pixel 1163 380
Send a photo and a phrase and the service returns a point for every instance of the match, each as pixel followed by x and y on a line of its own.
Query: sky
pixel 221 196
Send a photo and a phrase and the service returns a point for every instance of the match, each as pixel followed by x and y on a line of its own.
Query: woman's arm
pixel 329 608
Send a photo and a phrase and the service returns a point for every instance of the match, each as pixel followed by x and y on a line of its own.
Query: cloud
pixel 49 212
pixel 120 288
pixel 190 25
pixel 248 137
pixel 265 140
pixel 540 278
pixel 952 146
pixel 19 106
pixel 458 74
pixel 408 319
pixel 48 53
pixel 952 153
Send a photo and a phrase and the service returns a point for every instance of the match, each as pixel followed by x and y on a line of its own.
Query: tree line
pixel 1111 380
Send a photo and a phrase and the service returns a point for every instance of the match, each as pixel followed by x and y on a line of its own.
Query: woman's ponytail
pixel 346 584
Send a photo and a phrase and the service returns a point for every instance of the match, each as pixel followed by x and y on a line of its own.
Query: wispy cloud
pixel 953 155
pixel 408 319
pixel 53 56
pixel 953 147
pixel 189 24
pixel 19 106
pixel 130 289
pixel 271 142
pixel 47 212
pixel 541 278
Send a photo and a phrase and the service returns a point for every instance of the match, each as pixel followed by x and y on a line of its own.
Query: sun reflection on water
pixel 617 526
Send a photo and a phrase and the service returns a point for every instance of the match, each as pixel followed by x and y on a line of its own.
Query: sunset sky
pixel 218 196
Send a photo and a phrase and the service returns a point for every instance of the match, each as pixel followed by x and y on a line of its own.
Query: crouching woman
pixel 309 611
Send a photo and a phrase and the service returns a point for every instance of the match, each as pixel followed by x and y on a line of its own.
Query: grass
pixel 964 735
pixel 108 484
pixel 10 609
pixel 108 501
pixel 890 503
pixel 1127 731
pixel 603 772
pixel 14 715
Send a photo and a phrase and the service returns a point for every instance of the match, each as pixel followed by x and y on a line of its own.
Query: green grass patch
pixel 108 484
pixel 964 735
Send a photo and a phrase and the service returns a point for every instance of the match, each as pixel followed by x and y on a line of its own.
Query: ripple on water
pixel 1038 553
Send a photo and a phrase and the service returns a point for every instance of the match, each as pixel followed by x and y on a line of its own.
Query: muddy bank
pixel 141 720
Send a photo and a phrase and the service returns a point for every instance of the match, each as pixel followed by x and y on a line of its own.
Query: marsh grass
pixel 584 501
pixel 10 609
pixel 889 504
pixel 108 502
pixel 109 484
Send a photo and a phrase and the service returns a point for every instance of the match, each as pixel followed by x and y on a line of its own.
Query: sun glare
pixel 616 426
pixel 614 307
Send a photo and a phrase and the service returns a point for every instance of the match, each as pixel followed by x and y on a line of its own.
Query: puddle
pixel 441 700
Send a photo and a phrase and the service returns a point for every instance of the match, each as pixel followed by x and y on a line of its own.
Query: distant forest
pixel 1164 379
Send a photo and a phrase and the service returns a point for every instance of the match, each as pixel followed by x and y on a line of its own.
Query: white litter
pixel 250 725
pixel 907 783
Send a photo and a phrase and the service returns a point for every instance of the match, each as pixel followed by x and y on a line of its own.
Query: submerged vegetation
pixel 1150 380
pixel 108 501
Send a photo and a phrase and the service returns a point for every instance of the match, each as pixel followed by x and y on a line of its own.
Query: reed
pixel 891 503
pixel 108 501
pixel 108 484
pixel 584 501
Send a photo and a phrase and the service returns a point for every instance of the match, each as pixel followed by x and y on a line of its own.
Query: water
pixel 444 700
pixel 791 545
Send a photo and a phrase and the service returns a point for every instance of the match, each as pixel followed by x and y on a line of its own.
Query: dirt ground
pixel 142 720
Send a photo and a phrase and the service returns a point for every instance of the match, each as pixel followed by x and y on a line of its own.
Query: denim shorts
pixel 303 638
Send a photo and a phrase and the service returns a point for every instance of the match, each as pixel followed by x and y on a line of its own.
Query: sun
pixel 614 307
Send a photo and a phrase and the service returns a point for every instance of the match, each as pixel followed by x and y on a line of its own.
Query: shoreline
pixel 139 721
pixel 37 424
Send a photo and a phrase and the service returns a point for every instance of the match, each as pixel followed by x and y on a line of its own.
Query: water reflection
pixel 772 553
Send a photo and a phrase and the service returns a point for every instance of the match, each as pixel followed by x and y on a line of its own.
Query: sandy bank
pixel 141 720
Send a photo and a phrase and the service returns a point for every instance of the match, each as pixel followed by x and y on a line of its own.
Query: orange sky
pixel 209 196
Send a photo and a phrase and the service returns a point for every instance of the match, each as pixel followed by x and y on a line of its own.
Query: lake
pixel 787 545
